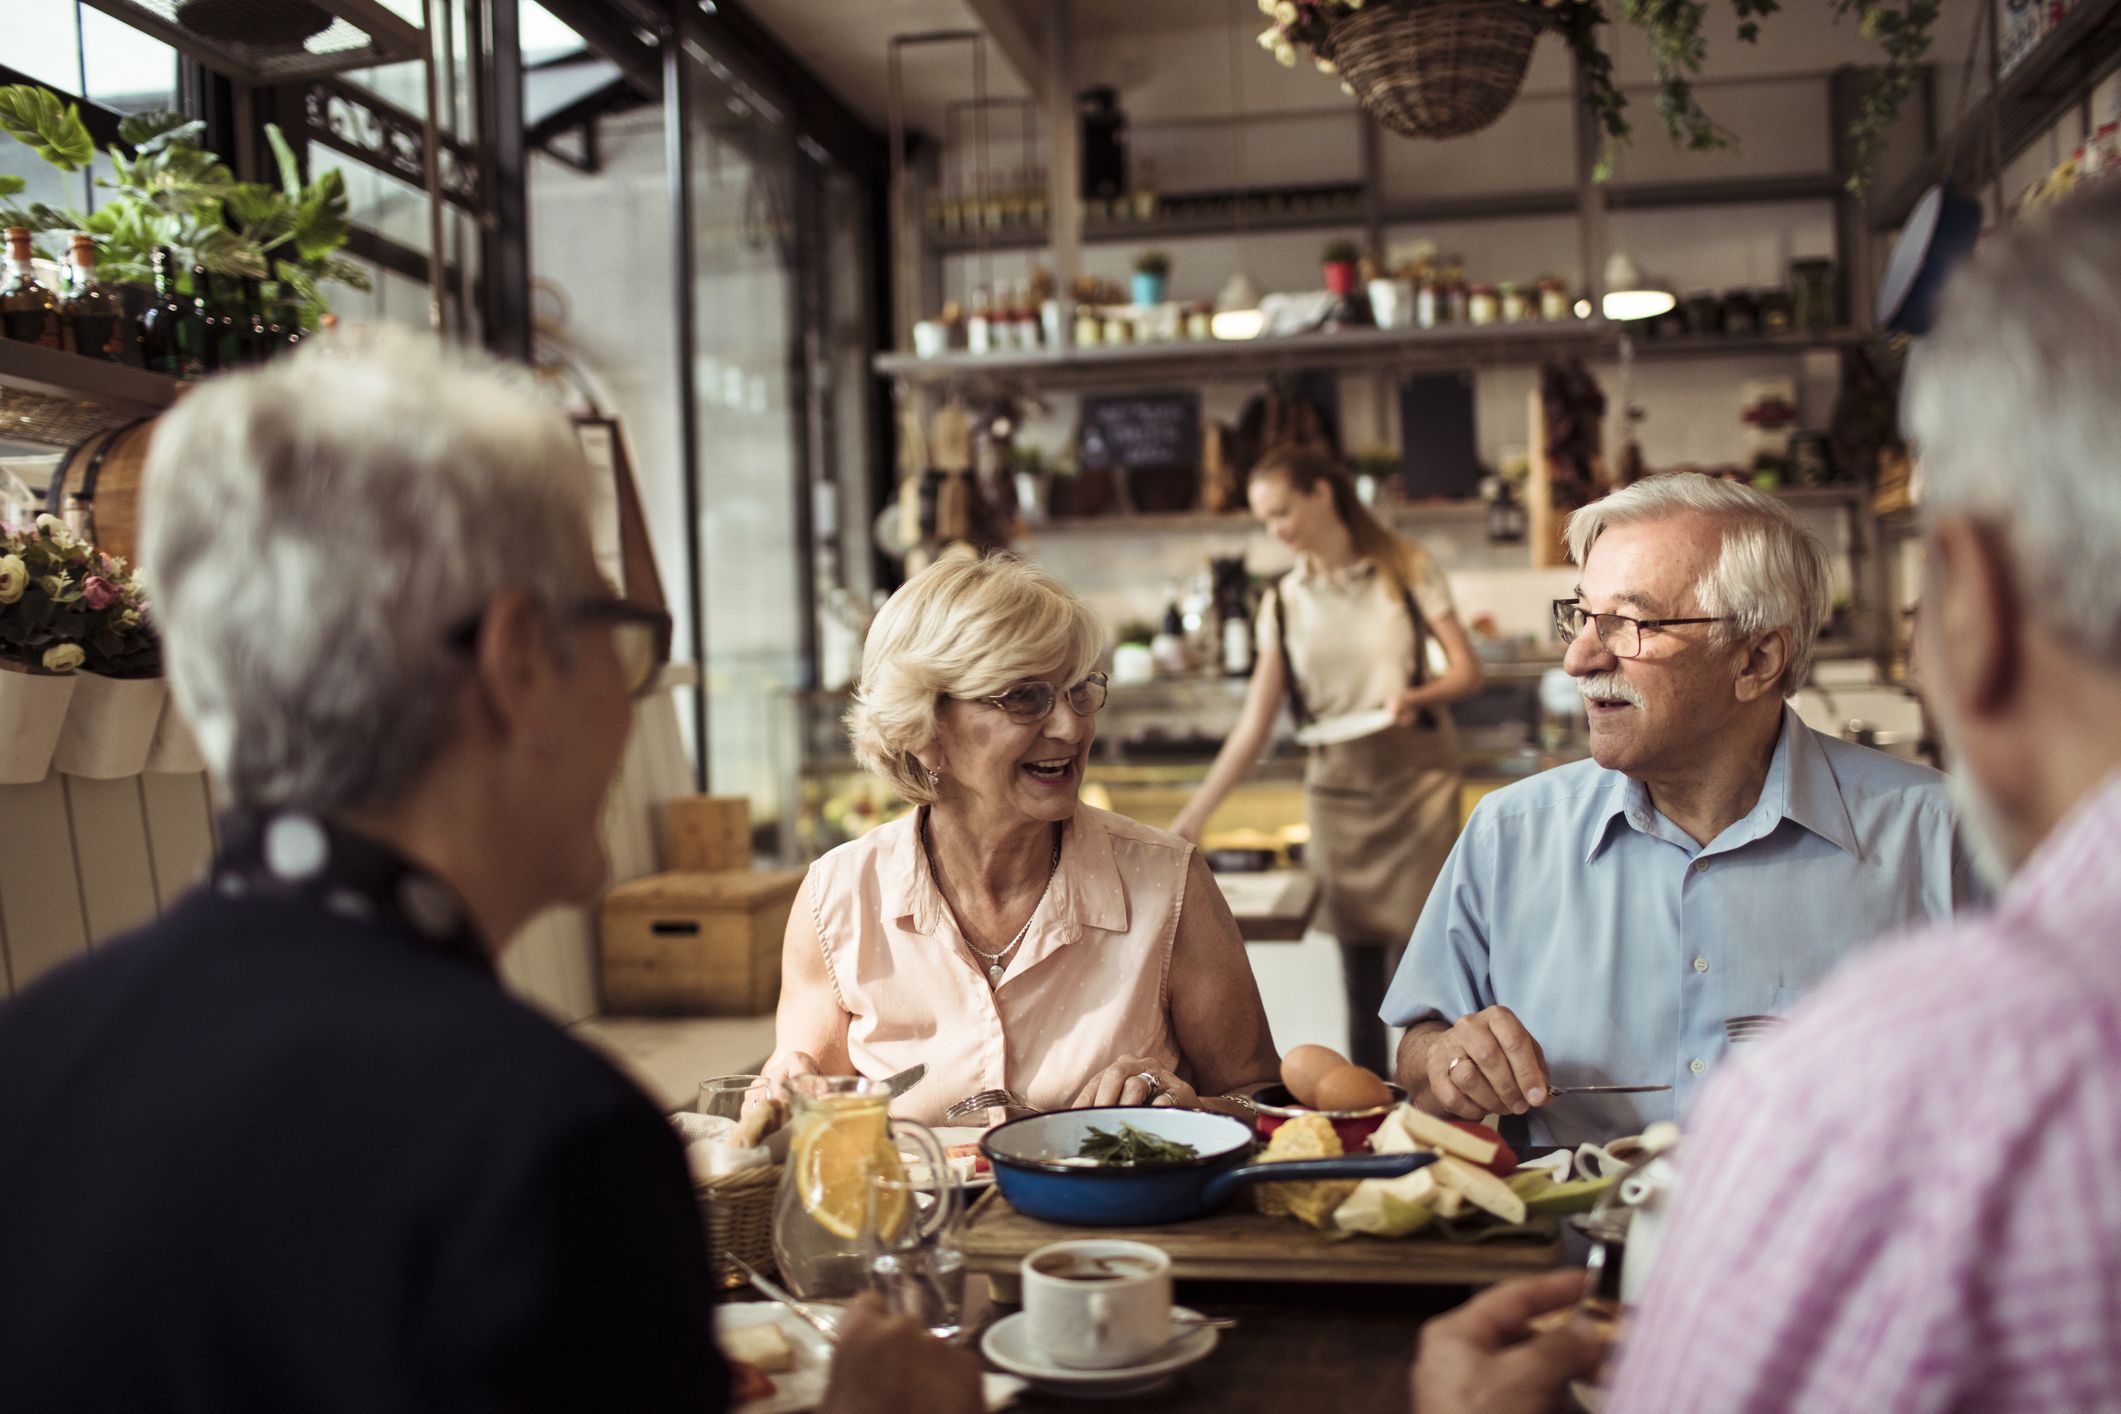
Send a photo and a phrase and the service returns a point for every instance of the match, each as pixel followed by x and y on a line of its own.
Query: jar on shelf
pixel 1777 312
pixel 1553 300
pixel 1515 309
pixel 1703 313
pixel 1812 285
pixel 1741 312
pixel 1428 303
pixel 1483 305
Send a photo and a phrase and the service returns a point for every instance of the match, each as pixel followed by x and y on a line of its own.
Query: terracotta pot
pixel 32 713
pixel 110 726
pixel 174 751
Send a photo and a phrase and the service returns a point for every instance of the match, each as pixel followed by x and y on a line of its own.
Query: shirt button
pixel 1698 1066
pixel 1701 866
pixel 1701 964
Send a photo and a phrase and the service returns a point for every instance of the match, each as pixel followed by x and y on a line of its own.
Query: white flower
pixel 1325 65
pixel 14 578
pixel 1266 7
pixel 1268 38
pixel 63 657
pixel 1284 12
pixel 51 525
pixel 1285 55
pixel 1352 4
pixel 1348 89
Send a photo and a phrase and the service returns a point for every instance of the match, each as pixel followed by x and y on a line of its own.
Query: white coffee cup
pixel 1098 1304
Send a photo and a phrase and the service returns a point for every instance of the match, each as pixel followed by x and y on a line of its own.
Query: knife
pixel 905 1080
pixel 774 1291
pixel 1606 1089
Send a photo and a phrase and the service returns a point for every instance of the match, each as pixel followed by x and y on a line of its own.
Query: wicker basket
pixel 737 1211
pixel 1435 68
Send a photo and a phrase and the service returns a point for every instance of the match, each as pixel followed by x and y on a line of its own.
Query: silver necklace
pixel 997 962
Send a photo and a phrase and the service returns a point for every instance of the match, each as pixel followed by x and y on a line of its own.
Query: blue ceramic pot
pixel 1148 288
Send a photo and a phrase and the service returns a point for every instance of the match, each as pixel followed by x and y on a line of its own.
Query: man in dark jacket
pixel 294 1147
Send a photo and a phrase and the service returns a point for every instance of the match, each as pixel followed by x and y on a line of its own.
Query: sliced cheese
pixel 1388 1207
pixel 761 1345
pixel 1481 1188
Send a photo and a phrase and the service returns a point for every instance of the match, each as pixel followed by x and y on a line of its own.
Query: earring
pixel 935 777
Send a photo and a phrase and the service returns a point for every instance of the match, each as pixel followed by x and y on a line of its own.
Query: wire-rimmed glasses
pixel 1030 702
pixel 1618 634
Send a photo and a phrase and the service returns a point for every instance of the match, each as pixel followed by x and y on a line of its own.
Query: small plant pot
pixel 1340 277
pixel 32 714
pixel 110 726
pixel 174 751
pixel 1149 288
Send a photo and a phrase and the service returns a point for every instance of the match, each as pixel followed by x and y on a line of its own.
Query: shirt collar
pixel 1087 891
pixel 1358 573
pixel 1800 787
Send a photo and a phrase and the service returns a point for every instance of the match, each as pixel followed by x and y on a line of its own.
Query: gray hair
pixel 1771 573
pixel 313 532
pixel 966 626
pixel 2014 404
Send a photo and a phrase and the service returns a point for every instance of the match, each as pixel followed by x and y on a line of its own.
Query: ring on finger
pixel 1156 1086
pixel 1453 1065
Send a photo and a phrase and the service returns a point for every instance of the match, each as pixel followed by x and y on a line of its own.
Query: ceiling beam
pixel 1017 44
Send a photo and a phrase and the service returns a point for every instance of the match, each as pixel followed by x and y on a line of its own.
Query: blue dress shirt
pixel 1623 946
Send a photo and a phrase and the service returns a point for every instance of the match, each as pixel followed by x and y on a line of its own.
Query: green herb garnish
pixel 1130 1146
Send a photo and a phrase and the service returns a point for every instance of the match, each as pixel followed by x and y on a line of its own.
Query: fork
pixel 1750 1028
pixel 985 1100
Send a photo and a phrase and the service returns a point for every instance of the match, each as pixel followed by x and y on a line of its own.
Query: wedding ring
pixel 1148 1078
pixel 1453 1065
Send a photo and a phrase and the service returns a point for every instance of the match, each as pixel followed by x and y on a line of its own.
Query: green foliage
pixel 12 185
pixel 1341 251
pixel 169 191
pixel 36 118
pixel 1903 29
pixel 1153 262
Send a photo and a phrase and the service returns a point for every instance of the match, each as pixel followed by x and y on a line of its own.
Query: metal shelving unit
pixel 54 399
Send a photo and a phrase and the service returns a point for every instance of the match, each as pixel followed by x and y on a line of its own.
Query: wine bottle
pixel 91 318
pixel 29 311
pixel 257 335
pixel 202 296
pixel 172 334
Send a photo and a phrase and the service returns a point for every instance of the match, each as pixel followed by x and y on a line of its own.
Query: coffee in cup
pixel 1098 1304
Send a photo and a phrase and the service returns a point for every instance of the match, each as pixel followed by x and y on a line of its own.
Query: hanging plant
pixel 166 190
pixel 1677 31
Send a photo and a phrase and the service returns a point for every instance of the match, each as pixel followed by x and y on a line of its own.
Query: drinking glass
pixel 726 1097
pixel 911 1238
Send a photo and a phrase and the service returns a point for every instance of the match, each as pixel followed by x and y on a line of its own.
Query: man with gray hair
pixel 293 1146
pixel 1603 923
pixel 1905 1200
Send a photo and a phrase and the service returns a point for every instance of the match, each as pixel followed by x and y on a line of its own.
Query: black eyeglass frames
pixel 1618 634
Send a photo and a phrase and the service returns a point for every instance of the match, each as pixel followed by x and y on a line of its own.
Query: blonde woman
pixel 1349 630
pixel 1004 934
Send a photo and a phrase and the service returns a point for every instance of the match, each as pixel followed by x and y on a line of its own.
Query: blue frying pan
pixel 1026 1154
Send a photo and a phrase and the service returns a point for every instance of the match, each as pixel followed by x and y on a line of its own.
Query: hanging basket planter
pixel 32 712
pixel 110 726
pixel 1435 68
pixel 174 751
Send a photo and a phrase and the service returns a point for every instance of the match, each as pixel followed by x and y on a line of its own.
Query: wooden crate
pixel 696 943
pixel 710 833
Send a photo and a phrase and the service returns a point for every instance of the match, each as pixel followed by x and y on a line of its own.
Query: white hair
pixel 1770 574
pixel 314 532
pixel 966 626
pixel 2014 405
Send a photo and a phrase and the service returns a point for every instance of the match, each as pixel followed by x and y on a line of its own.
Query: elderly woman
pixel 305 1084
pixel 1006 935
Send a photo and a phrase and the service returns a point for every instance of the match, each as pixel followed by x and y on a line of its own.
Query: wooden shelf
pixel 1365 350
pixel 54 399
pixel 2031 98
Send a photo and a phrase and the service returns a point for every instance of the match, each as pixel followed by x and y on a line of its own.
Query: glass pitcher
pixel 841 1139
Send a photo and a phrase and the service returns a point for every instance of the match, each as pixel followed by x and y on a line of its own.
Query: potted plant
pixel 95 612
pixel 1444 68
pixel 1340 261
pixel 37 664
pixel 1152 270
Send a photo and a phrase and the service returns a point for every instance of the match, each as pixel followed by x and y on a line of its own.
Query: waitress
pixel 1352 630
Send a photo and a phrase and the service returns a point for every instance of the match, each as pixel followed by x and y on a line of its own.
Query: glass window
pixel 127 71
pixel 39 39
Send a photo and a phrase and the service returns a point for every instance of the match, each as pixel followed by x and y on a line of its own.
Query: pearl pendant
pixel 994 975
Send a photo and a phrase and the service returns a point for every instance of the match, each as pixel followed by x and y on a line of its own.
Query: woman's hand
pixel 1132 1080
pixel 1406 708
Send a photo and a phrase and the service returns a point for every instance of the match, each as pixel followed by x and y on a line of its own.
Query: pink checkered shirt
pixel 1910 1198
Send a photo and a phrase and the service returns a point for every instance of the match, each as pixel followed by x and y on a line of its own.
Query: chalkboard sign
pixel 1141 430
pixel 1441 456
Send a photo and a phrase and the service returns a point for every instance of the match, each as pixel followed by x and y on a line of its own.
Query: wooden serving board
pixel 1238 1244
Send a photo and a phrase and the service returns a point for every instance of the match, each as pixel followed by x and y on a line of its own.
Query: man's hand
pixel 1486 1064
pixel 1480 1357
pixel 887 1364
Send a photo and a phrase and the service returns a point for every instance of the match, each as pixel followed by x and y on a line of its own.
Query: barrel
pixel 96 489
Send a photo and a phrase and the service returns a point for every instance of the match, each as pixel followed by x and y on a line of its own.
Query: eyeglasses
pixel 1618 634
pixel 1033 701
pixel 639 634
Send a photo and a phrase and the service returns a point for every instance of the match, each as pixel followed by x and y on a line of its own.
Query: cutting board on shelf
pixel 1238 1244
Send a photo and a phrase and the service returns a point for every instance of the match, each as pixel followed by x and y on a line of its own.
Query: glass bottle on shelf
pixel 172 337
pixel 29 311
pixel 257 333
pixel 202 296
pixel 91 318
pixel 979 326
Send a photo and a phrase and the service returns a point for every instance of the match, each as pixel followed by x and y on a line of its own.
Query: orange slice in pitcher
pixel 835 1157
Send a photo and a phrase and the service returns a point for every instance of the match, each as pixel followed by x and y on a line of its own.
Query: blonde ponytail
pixel 1303 468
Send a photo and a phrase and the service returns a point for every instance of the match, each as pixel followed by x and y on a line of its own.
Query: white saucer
pixel 1350 726
pixel 1007 1343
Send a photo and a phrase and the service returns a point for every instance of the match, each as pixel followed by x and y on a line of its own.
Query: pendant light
pixel 1631 295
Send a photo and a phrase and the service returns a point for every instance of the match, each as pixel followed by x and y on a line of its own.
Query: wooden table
pixel 1337 1348
pixel 1271 907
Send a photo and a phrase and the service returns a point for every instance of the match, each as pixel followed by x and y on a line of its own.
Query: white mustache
pixel 1609 687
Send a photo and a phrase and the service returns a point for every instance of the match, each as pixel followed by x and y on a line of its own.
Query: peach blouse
pixel 1090 983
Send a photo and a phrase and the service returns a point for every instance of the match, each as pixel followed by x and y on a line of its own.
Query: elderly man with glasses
pixel 1619 921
